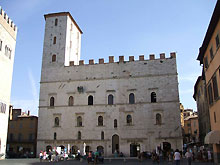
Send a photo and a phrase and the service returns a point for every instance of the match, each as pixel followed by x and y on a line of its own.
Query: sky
pixel 111 28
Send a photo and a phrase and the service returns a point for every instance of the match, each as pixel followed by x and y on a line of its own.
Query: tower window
pixel 90 100
pixel 79 121
pixel 153 97
pixel 56 122
pixel 52 102
pixel 56 22
pixel 110 99
pixel 158 119
pixel 54 58
pixel 115 123
pixel 55 136
pixel 131 98
pixel 54 40
pixel 100 121
pixel 79 135
pixel 102 135
pixel 129 120
pixel 70 101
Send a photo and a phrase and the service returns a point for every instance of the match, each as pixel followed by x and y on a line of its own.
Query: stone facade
pixel 128 106
pixel 8 32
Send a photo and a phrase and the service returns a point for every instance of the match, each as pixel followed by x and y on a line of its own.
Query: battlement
pixel 131 59
pixel 7 22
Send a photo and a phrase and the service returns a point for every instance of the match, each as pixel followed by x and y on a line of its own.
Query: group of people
pixel 52 156
pixel 190 154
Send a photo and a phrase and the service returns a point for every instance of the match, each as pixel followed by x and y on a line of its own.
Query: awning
pixel 213 137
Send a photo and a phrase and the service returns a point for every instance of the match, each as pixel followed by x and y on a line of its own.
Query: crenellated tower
pixel 62 40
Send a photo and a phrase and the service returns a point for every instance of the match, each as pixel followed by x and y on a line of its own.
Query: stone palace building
pixel 125 106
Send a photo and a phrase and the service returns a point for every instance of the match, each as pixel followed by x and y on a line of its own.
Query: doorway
pixel 134 149
pixel 115 143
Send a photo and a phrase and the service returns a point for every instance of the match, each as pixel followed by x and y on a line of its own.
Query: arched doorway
pixel 166 146
pixel 74 149
pixel 134 149
pixel 100 149
pixel 115 143
pixel 48 148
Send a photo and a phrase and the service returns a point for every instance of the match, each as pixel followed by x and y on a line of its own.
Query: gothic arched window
pixel 70 103
pixel 153 97
pixel 110 99
pixel 56 121
pixel 100 121
pixel 79 121
pixel 129 120
pixel 131 98
pixel 90 100
pixel 56 22
pixel 52 101
pixel 158 119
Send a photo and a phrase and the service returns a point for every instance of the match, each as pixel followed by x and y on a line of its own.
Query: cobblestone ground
pixel 74 162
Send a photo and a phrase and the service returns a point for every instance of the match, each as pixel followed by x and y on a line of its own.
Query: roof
pixel 213 23
pixel 191 117
pixel 63 14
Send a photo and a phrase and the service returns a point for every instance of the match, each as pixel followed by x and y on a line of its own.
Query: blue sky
pixel 111 27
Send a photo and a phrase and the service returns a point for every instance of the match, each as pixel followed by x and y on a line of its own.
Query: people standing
pixel 41 156
pixel 209 156
pixel 188 156
pixel 177 157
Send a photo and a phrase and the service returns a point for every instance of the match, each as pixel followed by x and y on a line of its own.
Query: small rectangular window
pixel 206 62
pixel 210 94
pixel 215 87
pixel 211 53
pixel 0 45
pixel 214 117
pixel 217 41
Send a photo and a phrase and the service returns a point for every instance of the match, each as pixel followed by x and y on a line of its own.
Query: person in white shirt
pixel 177 157
pixel 188 156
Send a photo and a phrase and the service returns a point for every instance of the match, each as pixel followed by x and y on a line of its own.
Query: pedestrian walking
pixel 188 156
pixel 177 157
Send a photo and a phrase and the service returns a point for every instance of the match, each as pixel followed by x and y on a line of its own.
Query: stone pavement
pixel 74 162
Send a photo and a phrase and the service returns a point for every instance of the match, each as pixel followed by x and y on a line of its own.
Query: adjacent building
pixel 8 32
pixel 200 96
pixel 191 129
pixel 124 106
pixel 209 56
pixel 22 134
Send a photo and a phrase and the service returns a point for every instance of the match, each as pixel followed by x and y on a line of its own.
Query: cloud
pixel 32 103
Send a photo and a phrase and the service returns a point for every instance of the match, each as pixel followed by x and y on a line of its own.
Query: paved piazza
pixel 74 162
